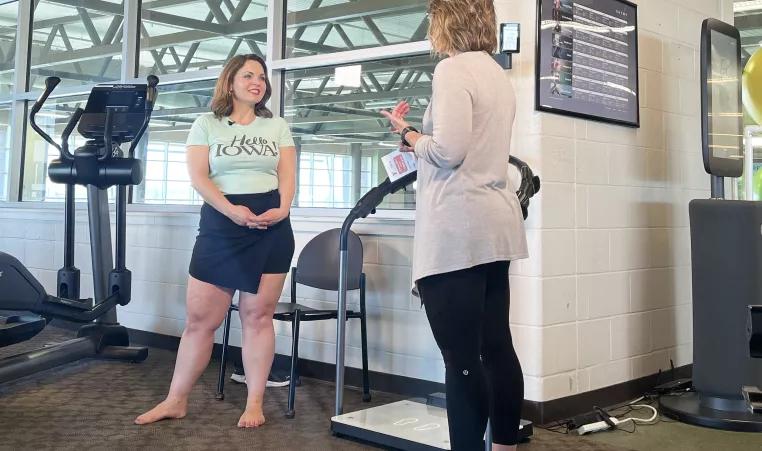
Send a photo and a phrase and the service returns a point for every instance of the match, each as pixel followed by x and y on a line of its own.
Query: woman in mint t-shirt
pixel 242 161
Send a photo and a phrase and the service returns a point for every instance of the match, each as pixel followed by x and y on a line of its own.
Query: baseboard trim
pixel 540 413
pixel 564 408
pixel 380 382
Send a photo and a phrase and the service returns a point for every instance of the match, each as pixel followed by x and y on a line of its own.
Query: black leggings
pixel 468 314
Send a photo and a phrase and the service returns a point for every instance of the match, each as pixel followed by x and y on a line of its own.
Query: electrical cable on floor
pixel 637 421
pixel 559 427
pixel 644 402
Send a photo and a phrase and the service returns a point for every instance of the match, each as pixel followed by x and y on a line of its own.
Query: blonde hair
pixel 458 26
pixel 222 102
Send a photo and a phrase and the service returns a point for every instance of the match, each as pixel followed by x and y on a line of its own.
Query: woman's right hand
pixel 403 148
pixel 240 215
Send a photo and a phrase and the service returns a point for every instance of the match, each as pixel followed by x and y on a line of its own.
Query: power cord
pixel 605 421
pixel 615 421
pixel 558 427
pixel 676 387
pixel 637 421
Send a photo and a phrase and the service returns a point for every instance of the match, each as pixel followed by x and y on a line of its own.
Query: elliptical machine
pixel 114 115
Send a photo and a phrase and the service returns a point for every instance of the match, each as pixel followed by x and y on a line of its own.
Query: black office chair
pixel 317 267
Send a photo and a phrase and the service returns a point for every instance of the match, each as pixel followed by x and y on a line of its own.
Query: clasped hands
pixel 244 217
pixel 397 118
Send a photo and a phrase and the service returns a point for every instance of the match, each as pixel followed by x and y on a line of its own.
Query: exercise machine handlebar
pixel 50 85
pixel 372 199
pixel 65 153
pixel 364 207
pixel 153 81
pixel 529 186
pixel 108 129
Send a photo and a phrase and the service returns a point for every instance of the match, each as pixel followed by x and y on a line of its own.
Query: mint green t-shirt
pixel 243 159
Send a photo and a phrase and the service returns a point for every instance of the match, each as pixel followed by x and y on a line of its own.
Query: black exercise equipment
pixel 20 328
pixel 754 331
pixel 115 114
pixel 752 394
pixel 415 424
pixel 725 258
pixel 530 184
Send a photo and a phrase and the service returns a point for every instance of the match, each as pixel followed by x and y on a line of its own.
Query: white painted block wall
pixel 159 251
pixel 606 294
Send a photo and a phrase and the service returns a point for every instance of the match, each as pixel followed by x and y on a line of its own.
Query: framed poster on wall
pixel 587 60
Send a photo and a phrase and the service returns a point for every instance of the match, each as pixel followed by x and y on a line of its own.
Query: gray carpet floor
pixel 91 405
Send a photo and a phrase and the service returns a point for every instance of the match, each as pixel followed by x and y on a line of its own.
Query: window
pixel 166 179
pixel 327 26
pixel 336 126
pixel 747 20
pixel 8 32
pixel 80 45
pixel 194 35
pixel 162 150
pixel 338 130
pixel 329 180
pixel 5 149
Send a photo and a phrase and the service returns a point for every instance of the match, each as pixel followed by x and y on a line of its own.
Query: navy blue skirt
pixel 232 256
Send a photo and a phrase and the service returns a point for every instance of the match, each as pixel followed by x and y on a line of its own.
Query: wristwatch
pixel 404 132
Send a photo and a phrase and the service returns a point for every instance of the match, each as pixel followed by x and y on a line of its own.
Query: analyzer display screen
pixel 724 104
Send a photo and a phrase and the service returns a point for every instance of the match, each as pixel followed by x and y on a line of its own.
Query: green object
pixel 757 184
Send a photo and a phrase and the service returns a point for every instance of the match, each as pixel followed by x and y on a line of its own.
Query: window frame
pixel 277 66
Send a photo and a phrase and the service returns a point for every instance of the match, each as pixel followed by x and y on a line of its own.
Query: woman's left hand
pixel 269 218
pixel 397 117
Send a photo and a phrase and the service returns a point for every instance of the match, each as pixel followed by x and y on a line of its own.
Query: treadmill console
pixel 128 105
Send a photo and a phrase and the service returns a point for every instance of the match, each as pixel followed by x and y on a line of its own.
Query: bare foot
pixel 169 409
pixel 253 416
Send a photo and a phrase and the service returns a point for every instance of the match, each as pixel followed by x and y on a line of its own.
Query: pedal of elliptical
pixel 82 304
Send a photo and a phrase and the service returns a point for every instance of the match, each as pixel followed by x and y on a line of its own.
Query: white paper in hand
pixel 399 164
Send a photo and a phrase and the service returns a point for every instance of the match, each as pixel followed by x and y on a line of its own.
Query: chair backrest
pixel 318 263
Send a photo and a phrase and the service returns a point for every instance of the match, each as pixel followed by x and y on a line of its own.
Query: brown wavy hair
pixel 458 26
pixel 222 102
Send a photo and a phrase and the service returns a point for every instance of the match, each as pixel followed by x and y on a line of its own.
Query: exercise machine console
pixel 414 424
pixel 115 114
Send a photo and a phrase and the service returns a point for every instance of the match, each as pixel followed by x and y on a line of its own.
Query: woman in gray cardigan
pixel 469 225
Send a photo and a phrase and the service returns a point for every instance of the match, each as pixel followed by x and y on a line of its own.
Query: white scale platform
pixel 406 425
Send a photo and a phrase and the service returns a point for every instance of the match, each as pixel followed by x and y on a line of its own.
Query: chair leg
pixel 293 285
pixel 290 413
pixel 364 337
pixel 226 336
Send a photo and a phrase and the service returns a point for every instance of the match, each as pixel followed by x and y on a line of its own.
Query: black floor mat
pixel 91 405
